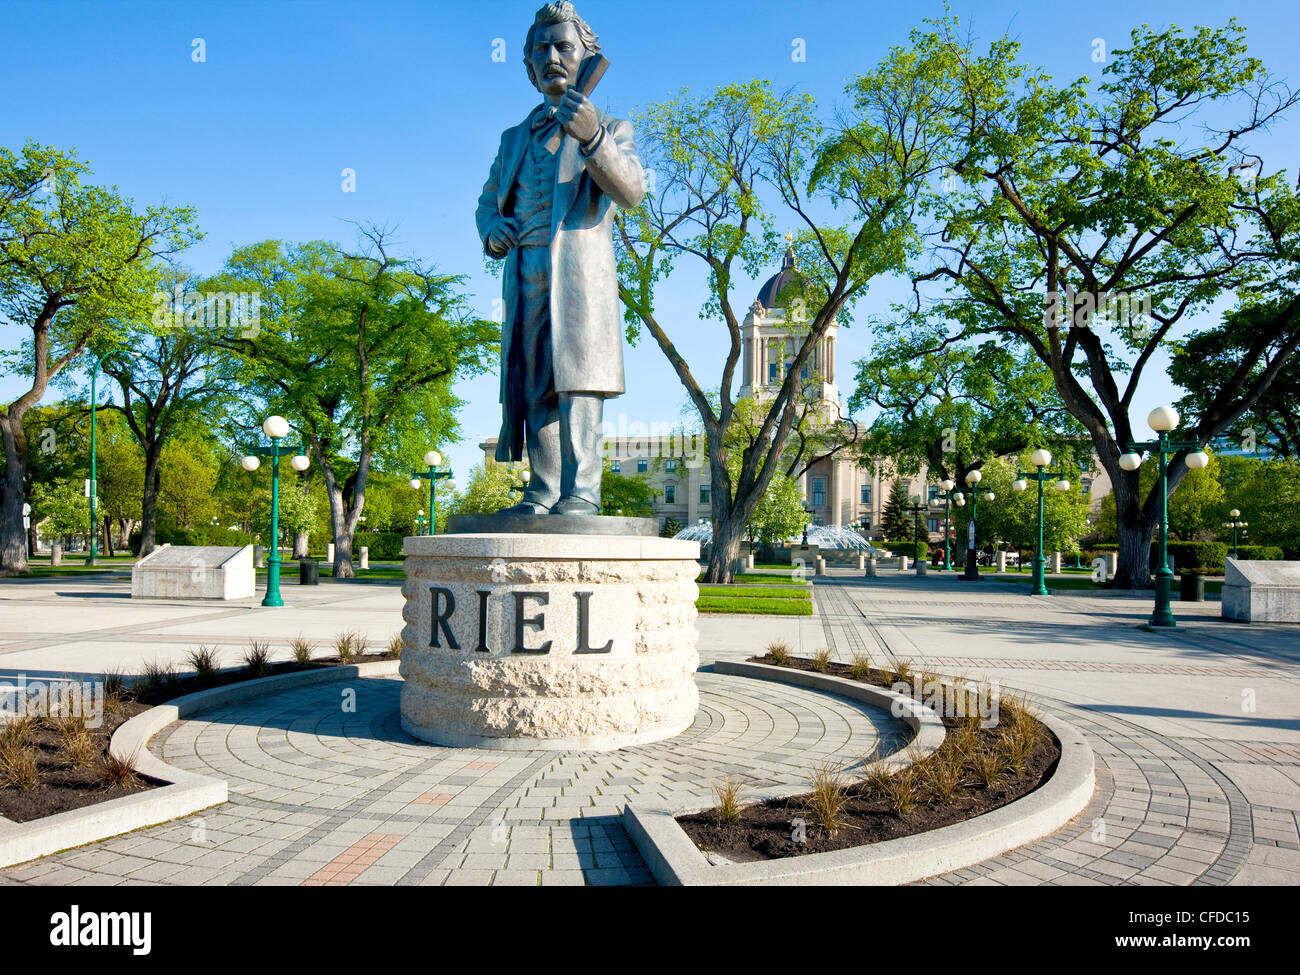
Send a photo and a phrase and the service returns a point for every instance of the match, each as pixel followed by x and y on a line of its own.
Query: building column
pixel 834 493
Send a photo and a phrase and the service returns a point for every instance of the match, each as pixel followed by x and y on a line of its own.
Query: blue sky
pixel 409 96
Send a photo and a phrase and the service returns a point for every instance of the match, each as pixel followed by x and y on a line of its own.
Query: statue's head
pixel 555 47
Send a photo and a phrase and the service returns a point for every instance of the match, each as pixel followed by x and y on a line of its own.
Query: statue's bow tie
pixel 541 119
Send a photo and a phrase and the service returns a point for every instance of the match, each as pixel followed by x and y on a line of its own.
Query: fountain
pixel 823 536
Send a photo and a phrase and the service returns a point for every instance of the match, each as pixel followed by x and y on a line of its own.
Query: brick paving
pixel 1194 786
pixel 320 795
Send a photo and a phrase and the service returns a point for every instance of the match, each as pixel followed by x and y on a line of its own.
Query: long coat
pixel 586 326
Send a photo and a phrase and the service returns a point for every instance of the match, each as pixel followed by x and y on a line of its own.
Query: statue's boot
pixel 524 508
pixel 572 505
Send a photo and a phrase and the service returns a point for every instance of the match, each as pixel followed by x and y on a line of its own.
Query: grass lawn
pixel 754 605
pixel 1053 582
pixel 755 579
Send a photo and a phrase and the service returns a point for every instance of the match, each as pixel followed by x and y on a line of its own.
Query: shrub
pixel 119 773
pixel 395 646
pixel 821 660
pixel 19 766
pixel 860 666
pixel 382 545
pixel 828 797
pixel 1257 552
pixel 916 551
pixel 349 645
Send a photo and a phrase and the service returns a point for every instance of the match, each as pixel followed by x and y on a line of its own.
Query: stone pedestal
pixel 1001 561
pixel 870 570
pixel 1261 592
pixel 922 567
pixel 365 556
pixel 1054 566
pixel 194 572
pixel 329 553
pixel 903 563
pixel 821 566
pixel 575 642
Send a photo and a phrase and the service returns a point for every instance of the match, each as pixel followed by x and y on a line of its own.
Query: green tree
pixel 780 515
pixel 1267 492
pixel 1084 223
pixel 74 259
pixel 358 351
pixel 1012 516
pixel 949 409
pixel 59 509
pixel 629 495
pixel 896 522
pixel 718 161
pixel 1196 509
pixel 489 490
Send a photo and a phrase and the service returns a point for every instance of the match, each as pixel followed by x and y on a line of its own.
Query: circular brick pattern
pixel 326 788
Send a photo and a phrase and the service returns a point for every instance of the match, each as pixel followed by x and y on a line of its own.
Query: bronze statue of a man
pixel 550 214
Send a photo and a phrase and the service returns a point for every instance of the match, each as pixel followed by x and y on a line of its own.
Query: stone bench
pixel 1261 592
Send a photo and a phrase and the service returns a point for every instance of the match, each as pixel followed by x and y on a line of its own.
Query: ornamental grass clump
pixel 728 796
pixel 205 664
pixel 779 652
pixel 303 650
pixel 821 660
pixel 395 646
pixel 119 773
pixel 19 766
pixel 349 645
pixel 257 659
pixel 76 744
pixel 828 797
pixel 860 666
pixel 903 791
pixel 988 765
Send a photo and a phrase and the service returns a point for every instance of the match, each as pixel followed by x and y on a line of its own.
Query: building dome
pixel 771 291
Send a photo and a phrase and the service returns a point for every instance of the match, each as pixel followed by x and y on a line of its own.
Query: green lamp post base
pixel 1040 576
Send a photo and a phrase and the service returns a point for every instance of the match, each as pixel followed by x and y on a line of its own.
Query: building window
pixel 771 374
pixel 670 465
pixel 932 524
pixel 704 494
pixel 670 494
pixel 642 466
pixel 616 466
pixel 865 492
pixel 934 494
pixel 818 490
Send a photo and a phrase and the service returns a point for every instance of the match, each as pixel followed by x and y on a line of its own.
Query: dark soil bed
pixel 64 786
pixel 767 831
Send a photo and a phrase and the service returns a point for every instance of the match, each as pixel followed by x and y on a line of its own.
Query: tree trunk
pixel 300 545
pixel 13 537
pixel 56 551
pixel 124 532
pixel 108 536
pixel 149 502
pixel 33 538
pixel 1133 564
pixel 727 536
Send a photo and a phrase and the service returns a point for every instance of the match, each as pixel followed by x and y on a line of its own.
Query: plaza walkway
pixel 1196 733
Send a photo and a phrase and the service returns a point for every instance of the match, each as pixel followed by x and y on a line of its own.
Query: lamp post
pixel 93 485
pixel 1162 420
pixel 946 485
pixel 916 507
pixel 276 428
pixel 419 521
pixel 972 573
pixel 1041 458
pixel 524 477
pixel 1234 524
pixel 432 458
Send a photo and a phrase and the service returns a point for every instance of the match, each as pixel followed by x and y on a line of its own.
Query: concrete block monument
pixel 1261 592
pixel 194 572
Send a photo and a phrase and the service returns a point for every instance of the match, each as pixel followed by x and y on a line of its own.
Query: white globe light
pixel 1041 457
pixel 1197 459
pixel 1130 461
pixel 989 496
pixel 946 484
pixel 415 484
pixel 1234 513
pixel 1062 485
pixel 433 458
pixel 250 463
pixel 525 476
pixel 961 502
pixel 1163 419
pixel 276 426
pixel 1019 484
pixel 959 498
pixel 300 462
pixel 974 477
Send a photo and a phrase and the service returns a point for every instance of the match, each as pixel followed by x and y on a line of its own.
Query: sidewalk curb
pixel 674 859
pixel 185 792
